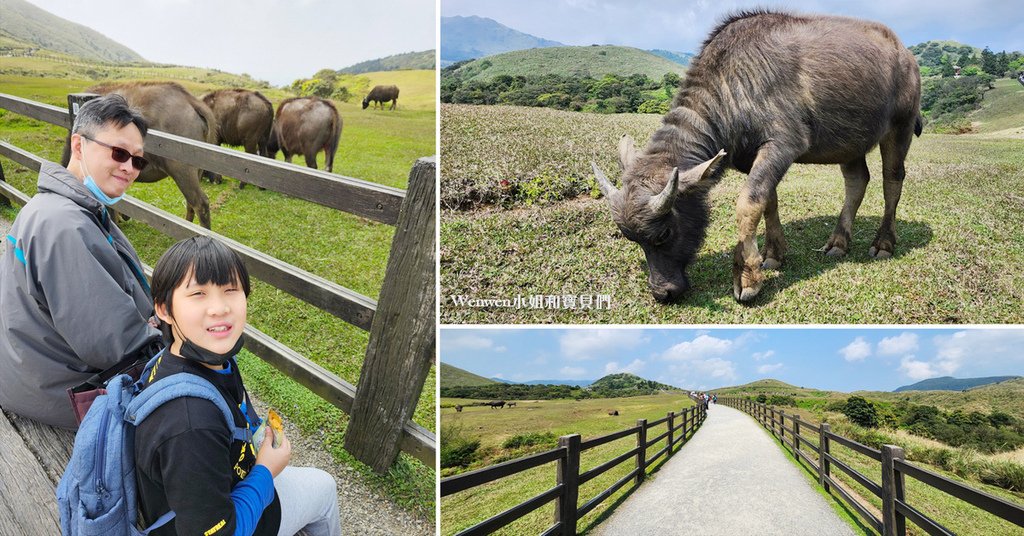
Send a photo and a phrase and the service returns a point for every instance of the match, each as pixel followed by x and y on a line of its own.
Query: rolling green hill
pixel 397 62
pixel 25 22
pixel 628 382
pixel 452 376
pixel 593 61
pixel 464 38
pixel 1002 110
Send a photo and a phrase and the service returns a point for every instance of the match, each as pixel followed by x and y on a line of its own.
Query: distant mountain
pixel 625 381
pixel 452 376
pixel 594 61
pixel 581 383
pixel 25 22
pixel 502 380
pixel 398 62
pixel 949 383
pixel 464 38
pixel 682 58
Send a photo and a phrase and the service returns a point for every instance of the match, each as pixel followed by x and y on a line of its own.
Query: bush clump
pixel 457 449
pixel 531 439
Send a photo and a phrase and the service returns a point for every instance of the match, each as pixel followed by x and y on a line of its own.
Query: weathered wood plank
pixel 27 501
pixel 51 446
pixel 402 336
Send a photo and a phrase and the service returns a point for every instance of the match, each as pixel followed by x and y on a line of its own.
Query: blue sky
pixel 683 25
pixel 829 358
pixel 274 40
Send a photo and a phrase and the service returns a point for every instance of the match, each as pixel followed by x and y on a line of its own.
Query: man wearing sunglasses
pixel 73 298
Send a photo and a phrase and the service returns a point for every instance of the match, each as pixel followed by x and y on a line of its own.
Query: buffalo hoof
pixel 836 252
pixel 771 264
pixel 748 294
pixel 879 254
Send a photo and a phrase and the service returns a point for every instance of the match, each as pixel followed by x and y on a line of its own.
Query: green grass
pixel 451 376
pixel 956 261
pixel 345 249
pixel 589 418
pixel 594 61
pixel 956 515
pixel 1001 108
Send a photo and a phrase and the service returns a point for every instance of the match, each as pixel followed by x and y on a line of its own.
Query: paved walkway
pixel 730 479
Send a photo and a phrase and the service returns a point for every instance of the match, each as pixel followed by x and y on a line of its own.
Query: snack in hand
pixel 274 420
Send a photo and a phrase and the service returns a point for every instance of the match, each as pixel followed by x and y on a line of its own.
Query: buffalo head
pixel 366 101
pixel 663 209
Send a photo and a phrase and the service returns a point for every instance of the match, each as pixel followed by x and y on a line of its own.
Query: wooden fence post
pixel 671 419
pixel 686 422
pixel 893 523
pixel 4 202
pixel 782 424
pixel 823 450
pixel 796 437
pixel 641 453
pixel 402 336
pixel 568 476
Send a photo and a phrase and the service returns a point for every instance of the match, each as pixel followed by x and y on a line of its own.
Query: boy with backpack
pixel 186 427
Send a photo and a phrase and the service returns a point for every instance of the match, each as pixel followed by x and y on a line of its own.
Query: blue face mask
pixel 100 196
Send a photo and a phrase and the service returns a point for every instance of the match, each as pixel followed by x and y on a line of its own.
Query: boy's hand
pixel 274 458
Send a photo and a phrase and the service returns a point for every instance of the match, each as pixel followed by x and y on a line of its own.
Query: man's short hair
pixel 108 109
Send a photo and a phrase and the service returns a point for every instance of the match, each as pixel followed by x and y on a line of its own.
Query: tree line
pixel 611 93
pixel 507 391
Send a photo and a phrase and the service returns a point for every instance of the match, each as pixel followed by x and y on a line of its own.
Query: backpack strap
pixel 176 386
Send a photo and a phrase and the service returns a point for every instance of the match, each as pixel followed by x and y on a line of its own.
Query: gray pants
pixel 309 502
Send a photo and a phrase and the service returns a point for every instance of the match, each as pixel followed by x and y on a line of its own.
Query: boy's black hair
pixel 206 260
pixel 112 109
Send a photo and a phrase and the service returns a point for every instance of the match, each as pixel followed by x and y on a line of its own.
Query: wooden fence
pixel 401 325
pixel 893 470
pixel 568 475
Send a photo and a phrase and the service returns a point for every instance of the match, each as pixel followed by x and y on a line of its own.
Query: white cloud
pixel 766 369
pixel 579 344
pixel 704 346
pixel 468 342
pixel 857 350
pixel 500 348
pixel 572 373
pixel 761 356
pixel 917 370
pixel 902 344
pixel 633 368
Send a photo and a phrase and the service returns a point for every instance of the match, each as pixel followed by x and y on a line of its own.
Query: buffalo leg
pixel 187 179
pixel 311 160
pixel 894 149
pixel 774 242
pixel 768 169
pixel 856 177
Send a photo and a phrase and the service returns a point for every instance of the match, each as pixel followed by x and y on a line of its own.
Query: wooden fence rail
pixel 402 339
pixel 893 470
pixel 568 475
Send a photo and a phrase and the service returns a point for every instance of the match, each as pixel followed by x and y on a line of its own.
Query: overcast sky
pixel 274 40
pixel 834 359
pixel 682 25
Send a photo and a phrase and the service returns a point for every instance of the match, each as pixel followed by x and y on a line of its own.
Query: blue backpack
pixel 97 496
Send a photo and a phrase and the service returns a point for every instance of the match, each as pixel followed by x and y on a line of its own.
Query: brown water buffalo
pixel 380 95
pixel 767 90
pixel 458 408
pixel 169 108
pixel 306 126
pixel 244 117
pixel 613 413
pixel 495 404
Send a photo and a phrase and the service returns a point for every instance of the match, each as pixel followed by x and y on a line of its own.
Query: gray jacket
pixel 71 299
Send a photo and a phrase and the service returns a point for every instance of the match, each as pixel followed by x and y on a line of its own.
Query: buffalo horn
pixel 661 204
pixel 607 188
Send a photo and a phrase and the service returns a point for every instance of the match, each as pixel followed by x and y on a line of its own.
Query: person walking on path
pixel 757 490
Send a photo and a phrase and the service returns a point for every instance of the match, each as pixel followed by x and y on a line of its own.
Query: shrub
pixel 530 439
pixel 457 449
pixel 861 412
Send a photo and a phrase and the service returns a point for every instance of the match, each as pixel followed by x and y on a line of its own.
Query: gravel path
pixel 730 479
pixel 363 510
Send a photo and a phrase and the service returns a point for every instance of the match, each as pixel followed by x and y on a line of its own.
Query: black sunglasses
pixel 122 155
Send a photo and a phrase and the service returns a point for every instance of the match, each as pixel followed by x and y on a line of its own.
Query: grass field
pixel 380 147
pixel 959 227
pixel 589 418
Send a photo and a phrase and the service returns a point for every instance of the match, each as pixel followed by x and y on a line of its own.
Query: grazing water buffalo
pixel 244 118
pixel 306 126
pixel 767 90
pixel 169 108
pixel 614 413
pixel 511 405
pixel 496 404
pixel 458 408
pixel 380 95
